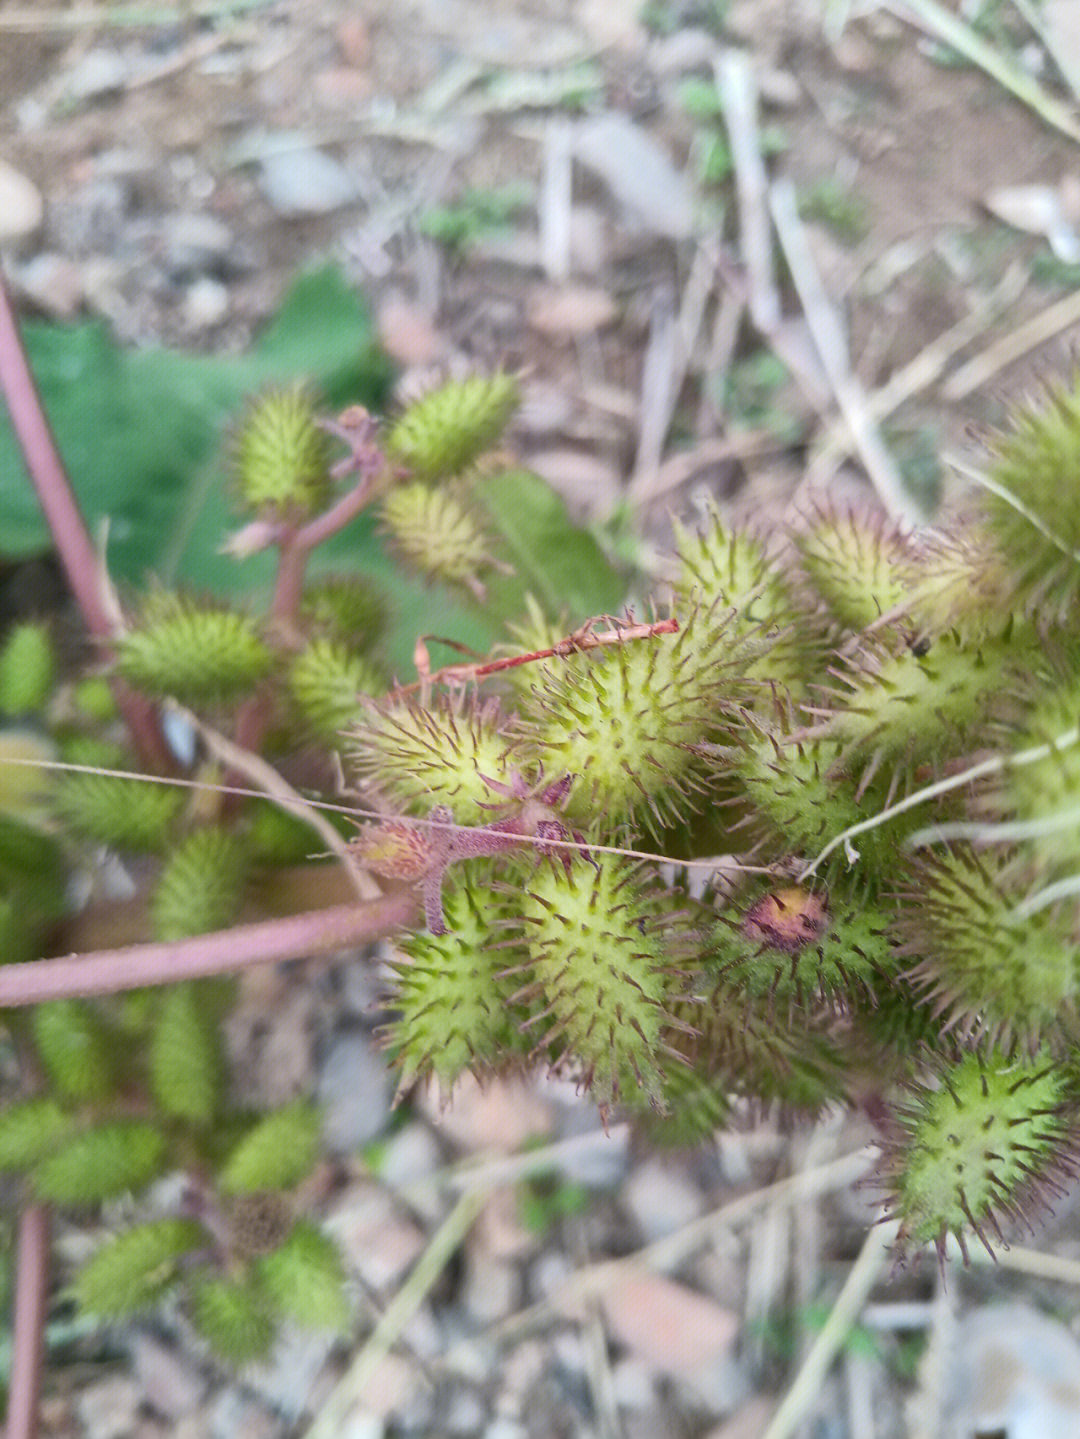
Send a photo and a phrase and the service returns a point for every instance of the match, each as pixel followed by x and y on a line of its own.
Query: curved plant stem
pixel 28 1326
pixel 849 1302
pixel 110 971
pixel 66 524
pixel 445 1241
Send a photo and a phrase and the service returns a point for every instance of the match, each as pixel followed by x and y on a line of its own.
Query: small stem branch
pixel 111 971
pixel 28 1325
pixel 582 639
pixel 60 508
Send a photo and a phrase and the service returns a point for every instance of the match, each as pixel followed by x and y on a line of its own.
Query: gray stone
pixel 411 1154
pixel 206 304
pixel 661 1198
pixel 170 1385
pixel 107 1409
pixel 681 51
pixel 1014 1372
pixel 99 72
pixel 306 181
pixel 353 1092
pixel 21 205
pixel 196 244
pixel 638 173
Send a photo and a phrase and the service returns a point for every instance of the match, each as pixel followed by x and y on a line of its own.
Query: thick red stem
pixel 110 971
pixel 46 469
pixel 28 1322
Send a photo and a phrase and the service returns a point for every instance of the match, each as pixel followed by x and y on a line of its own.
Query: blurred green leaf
pixel 135 426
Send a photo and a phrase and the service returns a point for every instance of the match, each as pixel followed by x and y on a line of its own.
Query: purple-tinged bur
pixel 410 850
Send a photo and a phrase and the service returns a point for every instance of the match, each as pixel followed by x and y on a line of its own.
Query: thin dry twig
pixel 920 372
pixel 666 1253
pixel 583 638
pixel 1013 346
pixel 861 1278
pixel 34 18
pixel 737 90
pixel 943 25
pixel 831 345
pixel 266 777
pixel 441 1247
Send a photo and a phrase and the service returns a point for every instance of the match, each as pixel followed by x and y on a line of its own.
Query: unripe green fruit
pixel 987 972
pixel 440 435
pixel 131 1271
pixel 26 670
pixel 803 950
pixel 1045 795
pixel 803 796
pixel 860 568
pixel 747 1051
pixel 202 885
pixel 433 530
pixel 735 599
pixel 326 680
pixel 233 1316
pixel 917 703
pixel 192 653
pixel 346 609
pixel 984 1137
pixel 600 977
pixel 623 719
pixel 120 813
pixel 75 1048
pixel 281 456
pixel 449 1003
pixel 416 757
pixel 1036 521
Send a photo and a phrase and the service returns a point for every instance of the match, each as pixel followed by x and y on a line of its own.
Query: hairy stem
pixel 28 1324
pixel 46 469
pixel 111 971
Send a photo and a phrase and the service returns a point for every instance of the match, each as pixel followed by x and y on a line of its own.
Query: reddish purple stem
pixel 49 478
pixel 109 971
pixel 28 1322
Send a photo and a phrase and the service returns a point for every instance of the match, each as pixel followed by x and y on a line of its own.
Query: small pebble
pixel 21 205
pixel 661 1199
pixel 305 181
pixel 206 304
pixel 108 1408
pixel 354 1092
pixel 638 172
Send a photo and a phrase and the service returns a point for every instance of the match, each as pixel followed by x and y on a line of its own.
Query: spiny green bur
pixel 600 978
pixel 450 1010
pixel 984 1130
pixel 624 720
pixel 806 691
pixel 987 970
pixel 443 433
pixel 445 753
pixel 1032 504
pixel 281 457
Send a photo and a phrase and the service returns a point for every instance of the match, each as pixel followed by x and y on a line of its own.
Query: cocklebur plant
pixel 811 705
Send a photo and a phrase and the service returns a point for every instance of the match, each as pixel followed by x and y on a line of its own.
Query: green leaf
pixel 552 557
pixel 304 1279
pixel 75 1048
pixel 185 1056
pixel 232 1317
pixel 133 1270
pixel 31 1129
pixel 276 1154
pixel 111 1158
pixel 134 426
